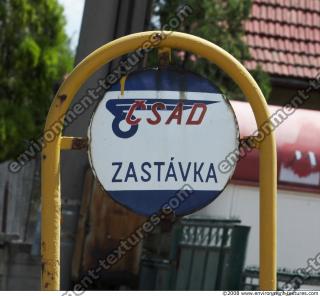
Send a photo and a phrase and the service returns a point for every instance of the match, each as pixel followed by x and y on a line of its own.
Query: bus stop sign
pixel 162 130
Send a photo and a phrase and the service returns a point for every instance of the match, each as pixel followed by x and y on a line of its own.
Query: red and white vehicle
pixel 298 146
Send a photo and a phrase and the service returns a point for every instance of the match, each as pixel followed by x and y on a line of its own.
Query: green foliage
pixel 221 22
pixel 34 55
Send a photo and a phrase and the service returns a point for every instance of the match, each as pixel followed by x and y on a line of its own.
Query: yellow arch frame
pixel 50 176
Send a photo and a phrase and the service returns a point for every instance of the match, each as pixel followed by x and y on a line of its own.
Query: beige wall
pixel 298 222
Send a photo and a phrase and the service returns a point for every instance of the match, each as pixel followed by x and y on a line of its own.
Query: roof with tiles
pixel 284 37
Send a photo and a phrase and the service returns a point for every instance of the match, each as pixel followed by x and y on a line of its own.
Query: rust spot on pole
pixel 79 143
pixel 62 98
pixel 157 36
pixel 73 143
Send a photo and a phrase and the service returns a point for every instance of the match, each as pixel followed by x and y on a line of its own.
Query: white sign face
pixel 168 130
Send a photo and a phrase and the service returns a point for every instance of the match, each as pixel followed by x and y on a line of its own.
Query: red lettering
pixel 155 107
pixel 137 104
pixel 191 120
pixel 176 114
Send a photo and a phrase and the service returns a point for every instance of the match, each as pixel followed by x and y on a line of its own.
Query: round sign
pixel 167 130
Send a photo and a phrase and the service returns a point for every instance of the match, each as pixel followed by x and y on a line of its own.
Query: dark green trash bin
pixel 197 254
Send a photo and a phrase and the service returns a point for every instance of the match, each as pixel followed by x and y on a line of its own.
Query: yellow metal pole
pixel 51 153
pixel 50 212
